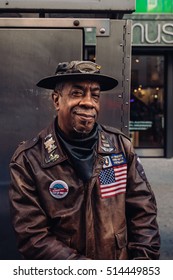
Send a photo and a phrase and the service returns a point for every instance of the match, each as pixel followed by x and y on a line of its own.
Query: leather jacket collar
pixel 53 154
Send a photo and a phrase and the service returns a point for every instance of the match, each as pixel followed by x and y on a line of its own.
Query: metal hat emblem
pixel 58 189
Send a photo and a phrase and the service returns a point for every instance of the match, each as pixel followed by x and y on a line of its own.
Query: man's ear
pixel 55 98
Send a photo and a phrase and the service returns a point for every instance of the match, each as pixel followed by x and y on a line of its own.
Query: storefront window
pixel 147 101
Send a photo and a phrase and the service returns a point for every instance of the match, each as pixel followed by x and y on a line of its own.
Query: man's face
pixel 78 106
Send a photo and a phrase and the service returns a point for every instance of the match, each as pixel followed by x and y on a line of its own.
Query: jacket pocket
pixel 121 245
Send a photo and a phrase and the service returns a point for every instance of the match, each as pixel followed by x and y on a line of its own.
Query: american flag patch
pixel 113 180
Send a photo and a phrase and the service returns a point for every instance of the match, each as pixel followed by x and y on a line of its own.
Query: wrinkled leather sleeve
pixel 141 211
pixel 30 222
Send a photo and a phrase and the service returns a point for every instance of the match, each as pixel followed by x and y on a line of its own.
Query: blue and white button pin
pixel 58 189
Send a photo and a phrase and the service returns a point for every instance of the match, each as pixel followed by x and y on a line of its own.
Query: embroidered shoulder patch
pixel 140 169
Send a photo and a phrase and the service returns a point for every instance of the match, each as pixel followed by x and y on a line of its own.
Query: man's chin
pixel 83 130
pixel 83 127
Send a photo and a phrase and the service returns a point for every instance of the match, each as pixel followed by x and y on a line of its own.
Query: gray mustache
pixel 85 112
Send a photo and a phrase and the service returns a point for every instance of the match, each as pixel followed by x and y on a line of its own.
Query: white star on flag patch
pixel 113 180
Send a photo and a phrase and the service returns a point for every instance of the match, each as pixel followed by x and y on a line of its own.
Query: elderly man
pixel 78 189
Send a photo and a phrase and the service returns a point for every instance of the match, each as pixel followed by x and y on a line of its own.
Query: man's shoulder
pixel 114 130
pixel 34 142
pixel 24 146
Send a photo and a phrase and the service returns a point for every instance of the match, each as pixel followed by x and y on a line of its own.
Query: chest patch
pixel 113 176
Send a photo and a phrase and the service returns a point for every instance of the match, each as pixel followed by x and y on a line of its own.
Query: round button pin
pixel 58 189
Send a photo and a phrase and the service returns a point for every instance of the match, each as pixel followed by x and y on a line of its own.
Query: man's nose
pixel 87 100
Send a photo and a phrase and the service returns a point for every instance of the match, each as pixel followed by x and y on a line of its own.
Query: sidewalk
pixel 159 172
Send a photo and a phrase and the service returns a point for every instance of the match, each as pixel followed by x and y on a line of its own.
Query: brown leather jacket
pixel 56 216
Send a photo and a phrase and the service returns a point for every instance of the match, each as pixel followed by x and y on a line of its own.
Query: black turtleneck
pixel 81 151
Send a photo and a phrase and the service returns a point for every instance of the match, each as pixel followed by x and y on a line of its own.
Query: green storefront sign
pixel 154 6
pixel 152 29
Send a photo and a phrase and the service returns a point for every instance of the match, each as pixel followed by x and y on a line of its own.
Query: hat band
pixel 83 67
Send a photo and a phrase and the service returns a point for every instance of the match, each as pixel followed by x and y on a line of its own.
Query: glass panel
pixel 147 101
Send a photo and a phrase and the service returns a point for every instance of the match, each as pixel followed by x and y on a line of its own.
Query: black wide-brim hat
pixel 78 70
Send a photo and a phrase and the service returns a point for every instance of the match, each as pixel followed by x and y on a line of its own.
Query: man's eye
pixel 96 96
pixel 77 93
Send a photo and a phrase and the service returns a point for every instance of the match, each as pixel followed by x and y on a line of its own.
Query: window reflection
pixel 147 101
